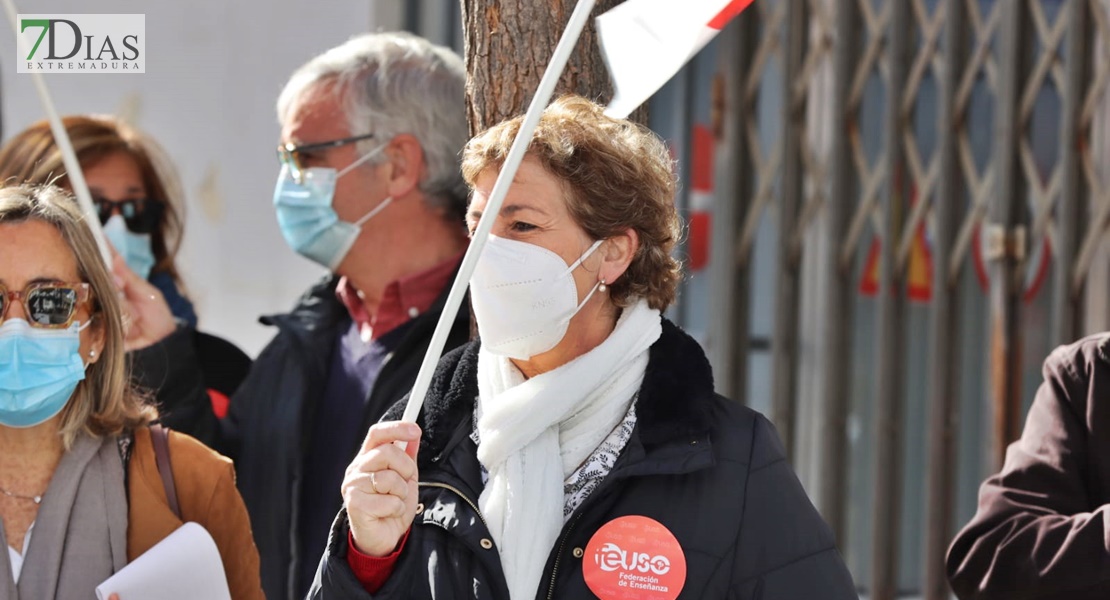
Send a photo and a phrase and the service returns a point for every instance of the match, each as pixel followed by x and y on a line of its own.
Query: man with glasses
pixel 369 188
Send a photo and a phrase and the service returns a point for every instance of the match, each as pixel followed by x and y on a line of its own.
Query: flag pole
pixel 61 138
pixel 563 49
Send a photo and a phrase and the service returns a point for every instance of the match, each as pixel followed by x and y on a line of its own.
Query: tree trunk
pixel 508 44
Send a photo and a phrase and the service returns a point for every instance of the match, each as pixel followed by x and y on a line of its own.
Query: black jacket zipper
pixel 459 493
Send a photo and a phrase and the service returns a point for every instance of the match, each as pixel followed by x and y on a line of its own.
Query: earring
pixel 92 353
pixel 601 288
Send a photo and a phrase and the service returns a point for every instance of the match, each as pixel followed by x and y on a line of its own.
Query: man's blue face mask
pixel 307 219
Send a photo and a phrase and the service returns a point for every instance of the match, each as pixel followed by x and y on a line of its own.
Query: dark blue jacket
pixel 267 428
pixel 711 471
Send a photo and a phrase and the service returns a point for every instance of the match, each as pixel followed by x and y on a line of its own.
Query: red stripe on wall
pixel 701 167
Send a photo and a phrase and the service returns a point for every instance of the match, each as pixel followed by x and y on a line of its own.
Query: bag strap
pixel 160 436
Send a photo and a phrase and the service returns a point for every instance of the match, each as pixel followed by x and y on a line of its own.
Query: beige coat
pixel 207 495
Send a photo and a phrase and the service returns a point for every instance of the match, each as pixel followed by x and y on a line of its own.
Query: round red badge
pixel 634 557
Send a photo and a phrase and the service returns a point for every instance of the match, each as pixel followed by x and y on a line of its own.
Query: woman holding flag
pixel 577 447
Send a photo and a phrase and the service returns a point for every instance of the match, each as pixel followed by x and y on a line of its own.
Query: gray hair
pixel 393 83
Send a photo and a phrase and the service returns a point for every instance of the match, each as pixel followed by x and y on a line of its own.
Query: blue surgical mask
pixel 307 219
pixel 135 248
pixel 39 370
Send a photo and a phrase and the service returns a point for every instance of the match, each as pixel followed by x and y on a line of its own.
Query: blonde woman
pixel 80 492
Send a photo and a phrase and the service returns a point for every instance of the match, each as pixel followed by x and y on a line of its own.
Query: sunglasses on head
pixel 141 215
pixel 47 305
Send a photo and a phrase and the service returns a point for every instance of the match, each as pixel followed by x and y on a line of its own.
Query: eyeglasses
pixel 293 156
pixel 141 215
pixel 48 305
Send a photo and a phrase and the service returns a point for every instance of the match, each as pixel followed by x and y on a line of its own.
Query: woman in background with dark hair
pixel 132 183
pixel 139 201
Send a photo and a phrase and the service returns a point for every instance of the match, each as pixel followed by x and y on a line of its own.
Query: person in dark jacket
pixel 578 448
pixel 1041 527
pixel 370 189
pixel 136 192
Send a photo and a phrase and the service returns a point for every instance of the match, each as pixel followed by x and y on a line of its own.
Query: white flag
pixel 645 42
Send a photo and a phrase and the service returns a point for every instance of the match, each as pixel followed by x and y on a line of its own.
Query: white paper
pixel 184 566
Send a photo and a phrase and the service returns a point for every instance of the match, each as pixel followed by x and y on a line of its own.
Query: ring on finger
pixel 374 483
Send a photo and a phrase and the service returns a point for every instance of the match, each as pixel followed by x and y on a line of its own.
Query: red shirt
pixel 372 572
pixel 402 300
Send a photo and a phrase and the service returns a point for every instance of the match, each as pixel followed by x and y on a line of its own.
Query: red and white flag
pixel 645 42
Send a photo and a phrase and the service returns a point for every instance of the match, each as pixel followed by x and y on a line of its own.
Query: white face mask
pixel 524 297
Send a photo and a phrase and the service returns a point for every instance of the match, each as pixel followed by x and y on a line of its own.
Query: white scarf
pixel 534 433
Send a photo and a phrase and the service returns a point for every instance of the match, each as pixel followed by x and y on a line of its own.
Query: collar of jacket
pixel 318 308
pixel 319 316
pixel 308 332
pixel 675 405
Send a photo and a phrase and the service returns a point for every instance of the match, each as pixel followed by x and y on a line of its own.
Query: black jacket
pixel 1041 530
pixel 186 365
pixel 710 470
pixel 214 363
pixel 266 430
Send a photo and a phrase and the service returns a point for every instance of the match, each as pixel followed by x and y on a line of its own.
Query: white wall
pixel 213 71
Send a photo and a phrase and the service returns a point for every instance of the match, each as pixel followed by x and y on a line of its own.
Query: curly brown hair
pixel 619 176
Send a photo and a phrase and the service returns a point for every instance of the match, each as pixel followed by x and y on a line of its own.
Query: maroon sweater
pixel 1042 529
